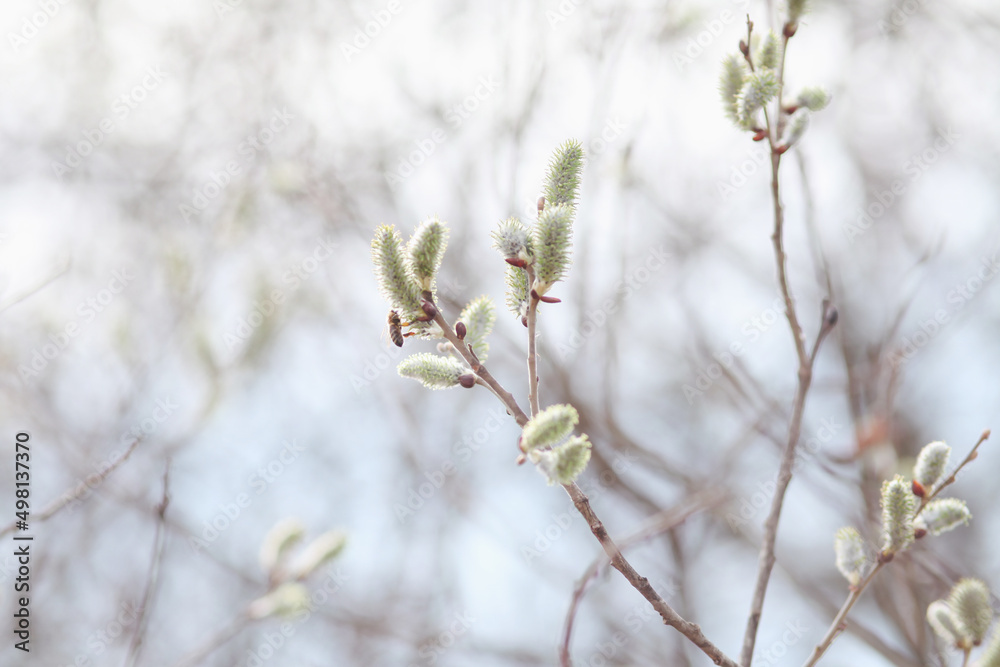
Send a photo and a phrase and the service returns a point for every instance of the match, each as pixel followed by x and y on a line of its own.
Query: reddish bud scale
pixel 429 309
pixel 460 330
pixel 549 299
pixel 468 380
pixel 524 321
pixel 516 261
pixel 919 532
pixel 886 557
pixel 790 29
pixel 781 150
pixel 541 205
pixel 918 489
pixel 760 135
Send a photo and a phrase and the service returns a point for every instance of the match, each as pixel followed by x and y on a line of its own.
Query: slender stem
pixel 965 660
pixel 662 522
pixel 951 478
pixel 159 541
pixel 670 617
pixel 839 625
pixel 806 360
pixel 532 318
pixel 480 370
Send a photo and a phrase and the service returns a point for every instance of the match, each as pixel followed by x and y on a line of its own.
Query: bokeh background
pixel 188 194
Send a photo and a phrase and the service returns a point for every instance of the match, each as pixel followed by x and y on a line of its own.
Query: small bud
pixel 279 540
pixel 931 464
pixel 760 135
pixel 944 623
pixel 832 315
pixel 549 426
pixel 541 204
pixel 468 381
pixel 549 299
pixel 790 29
pixel 285 600
pixel 480 315
pixel 425 251
pixel 919 533
pixel 850 551
pixel 969 601
pixel 918 489
pixel 460 330
pixel 944 514
pixel 898 508
pixel 432 371
pixel 516 261
pixel 323 549
pixel 429 309
pixel 524 321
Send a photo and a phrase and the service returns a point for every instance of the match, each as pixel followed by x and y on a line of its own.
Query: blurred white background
pixel 189 190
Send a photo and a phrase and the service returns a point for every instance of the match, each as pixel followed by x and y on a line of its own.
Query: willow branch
pixel 670 617
pixel 159 541
pixel 479 368
pixel 532 319
pixel 839 623
pixel 664 521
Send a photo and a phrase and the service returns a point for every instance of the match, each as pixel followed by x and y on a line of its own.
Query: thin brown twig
pixel 532 318
pixel 70 496
pixel 159 542
pixel 839 623
pixel 618 561
pixel 662 522
pixel 806 360
pixel 480 369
